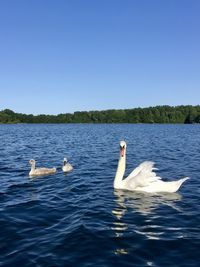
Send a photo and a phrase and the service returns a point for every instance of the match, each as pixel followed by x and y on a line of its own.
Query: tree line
pixel 158 114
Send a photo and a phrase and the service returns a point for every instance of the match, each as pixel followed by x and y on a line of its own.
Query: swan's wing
pixel 143 177
pixel 44 170
pixel 146 165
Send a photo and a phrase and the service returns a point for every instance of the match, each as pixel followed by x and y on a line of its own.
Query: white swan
pixel 67 167
pixel 39 171
pixel 143 178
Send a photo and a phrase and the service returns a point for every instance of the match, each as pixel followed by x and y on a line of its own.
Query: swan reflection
pixel 143 204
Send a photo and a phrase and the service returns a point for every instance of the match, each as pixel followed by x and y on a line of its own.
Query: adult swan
pixel 143 178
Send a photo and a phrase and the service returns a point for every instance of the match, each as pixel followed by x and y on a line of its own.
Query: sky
pixel 60 56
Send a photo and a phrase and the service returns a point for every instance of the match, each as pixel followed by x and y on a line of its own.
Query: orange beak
pixel 122 151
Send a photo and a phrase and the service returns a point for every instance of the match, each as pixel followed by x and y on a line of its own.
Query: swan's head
pixel 122 148
pixel 32 162
pixel 64 161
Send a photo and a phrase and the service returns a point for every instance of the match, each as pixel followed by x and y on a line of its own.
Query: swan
pixel 39 171
pixel 142 178
pixel 67 167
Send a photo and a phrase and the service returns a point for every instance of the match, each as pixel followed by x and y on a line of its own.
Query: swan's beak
pixel 122 151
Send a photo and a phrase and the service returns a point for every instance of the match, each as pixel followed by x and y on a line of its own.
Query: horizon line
pixel 109 109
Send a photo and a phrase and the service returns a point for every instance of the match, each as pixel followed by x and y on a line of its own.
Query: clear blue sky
pixel 59 56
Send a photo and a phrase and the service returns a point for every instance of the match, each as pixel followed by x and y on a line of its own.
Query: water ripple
pixel 78 219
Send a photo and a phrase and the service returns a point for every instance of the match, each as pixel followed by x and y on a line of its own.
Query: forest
pixel 158 114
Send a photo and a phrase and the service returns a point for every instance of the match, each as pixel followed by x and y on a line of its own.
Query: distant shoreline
pixel 151 115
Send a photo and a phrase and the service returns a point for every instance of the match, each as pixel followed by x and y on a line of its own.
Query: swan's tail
pixel 181 181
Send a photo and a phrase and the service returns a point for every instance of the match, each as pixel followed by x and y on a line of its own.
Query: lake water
pixel 78 219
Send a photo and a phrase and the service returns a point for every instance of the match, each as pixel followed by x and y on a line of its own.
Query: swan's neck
pixel 32 167
pixel 120 172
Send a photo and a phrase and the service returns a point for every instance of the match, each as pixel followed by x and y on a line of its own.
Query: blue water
pixel 78 219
